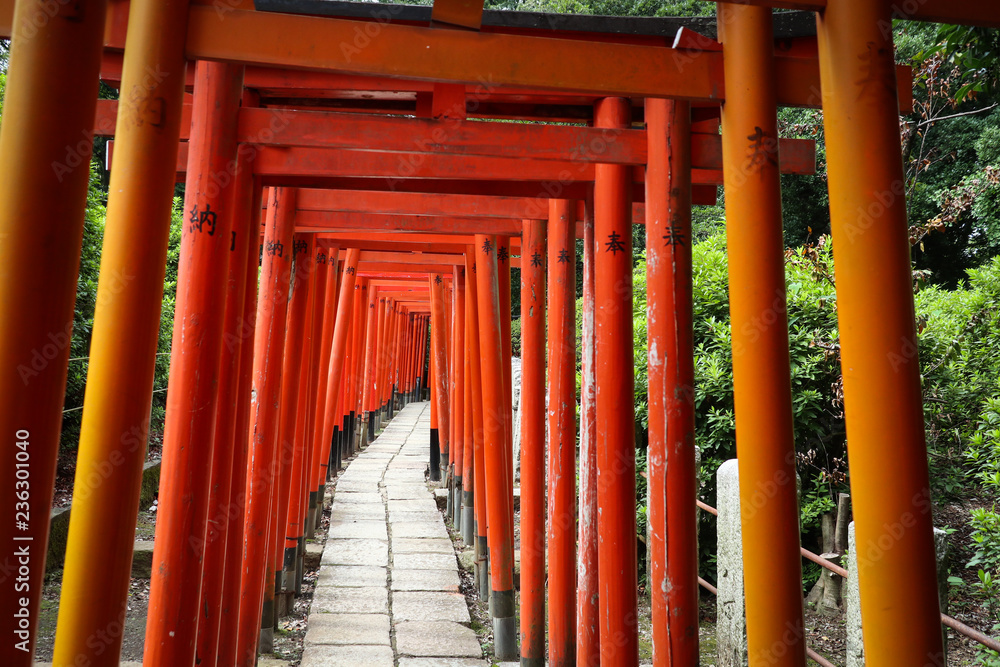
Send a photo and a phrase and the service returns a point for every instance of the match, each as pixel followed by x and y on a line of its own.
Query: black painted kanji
pixel 563 256
pixel 674 236
pixel 614 244
pixel 502 253
pixel 200 219
pixel 274 248
pixel 536 258
pixel 487 246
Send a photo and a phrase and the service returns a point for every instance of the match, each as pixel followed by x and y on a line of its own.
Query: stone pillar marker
pixel 731 625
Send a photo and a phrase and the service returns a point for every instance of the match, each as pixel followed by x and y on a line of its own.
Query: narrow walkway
pixel 388 588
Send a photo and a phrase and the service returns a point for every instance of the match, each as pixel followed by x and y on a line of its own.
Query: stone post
pixel 731 626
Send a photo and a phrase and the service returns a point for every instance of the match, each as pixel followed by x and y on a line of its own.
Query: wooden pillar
pixel 269 340
pixel 671 453
pixel 761 375
pixel 533 254
pixel 127 317
pixel 499 504
pixel 189 432
pixel 882 398
pixel 46 142
pixel 615 401
pixel 232 574
pixel 439 431
pixel 588 633
pixel 228 439
pixel 561 534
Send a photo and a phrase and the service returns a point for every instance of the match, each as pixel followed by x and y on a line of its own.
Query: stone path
pixel 388 588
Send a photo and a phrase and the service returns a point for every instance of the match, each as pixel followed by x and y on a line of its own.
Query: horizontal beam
pixel 372 223
pixel 414 142
pixel 277 127
pixel 383 267
pixel 798 157
pixel 411 258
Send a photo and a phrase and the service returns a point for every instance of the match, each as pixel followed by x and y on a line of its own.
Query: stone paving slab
pixel 429 606
pixel 356 552
pixel 436 638
pixel 425 580
pixel 371 629
pixel 344 600
pixel 419 529
pixel 357 498
pixel 369 530
pixel 351 575
pixel 426 504
pixel 416 545
pixel 347 656
pixel 425 561
pixel 357 512
pixel 396 516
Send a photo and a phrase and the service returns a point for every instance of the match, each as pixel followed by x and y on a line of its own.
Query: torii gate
pixel 44 124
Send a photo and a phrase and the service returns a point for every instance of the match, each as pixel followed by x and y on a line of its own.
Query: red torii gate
pixel 41 123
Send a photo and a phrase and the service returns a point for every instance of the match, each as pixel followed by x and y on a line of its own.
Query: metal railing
pixel 952 623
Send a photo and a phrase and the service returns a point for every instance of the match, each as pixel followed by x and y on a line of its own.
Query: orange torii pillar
pixel 374 411
pixel 230 433
pixel 615 403
pixel 120 376
pixel 458 402
pixel 439 371
pixel 371 329
pixel 358 354
pixel 189 432
pixel 588 644
pixel 232 576
pixel 468 525
pixel 269 340
pixel 298 490
pixel 561 533
pixel 333 460
pixel 533 444
pixel 381 353
pixel 478 450
pixel 761 375
pixel 46 140
pixel 422 357
pixel 499 503
pixel 882 399
pixel 671 453
pixel 316 466
pixel 503 285
pixel 345 308
pixel 293 364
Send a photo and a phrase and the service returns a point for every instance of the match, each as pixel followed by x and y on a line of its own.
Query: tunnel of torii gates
pixel 351 136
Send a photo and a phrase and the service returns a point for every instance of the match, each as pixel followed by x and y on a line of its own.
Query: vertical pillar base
pixel 320 498
pixel 310 517
pixel 456 503
pixel 468 519
pixel 300 564
pixel 435 462
pixel 266 644
pixel 505 636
